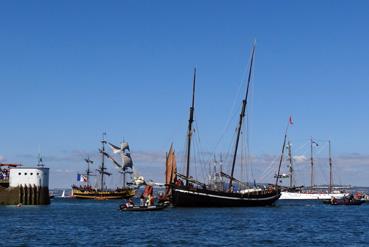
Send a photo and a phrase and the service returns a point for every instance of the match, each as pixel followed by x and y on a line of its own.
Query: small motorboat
pixel 143 208
pixel 344 201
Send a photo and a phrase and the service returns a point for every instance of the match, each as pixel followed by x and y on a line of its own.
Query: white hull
pixel 310 195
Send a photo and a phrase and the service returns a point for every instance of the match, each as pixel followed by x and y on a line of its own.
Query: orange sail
pixel 171 166
pixel 149 190
pixel 170 172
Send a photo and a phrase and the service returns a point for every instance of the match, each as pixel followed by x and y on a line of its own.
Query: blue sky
pixel 70 70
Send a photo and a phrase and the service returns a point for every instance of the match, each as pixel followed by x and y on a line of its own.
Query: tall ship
pixel 313 192
pixel 188 192
pixel 101 192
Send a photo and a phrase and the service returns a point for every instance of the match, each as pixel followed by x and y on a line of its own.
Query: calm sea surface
pixel 72 222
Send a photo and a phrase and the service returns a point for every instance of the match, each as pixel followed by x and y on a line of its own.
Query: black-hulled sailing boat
pixel 193 193
pixel 87 191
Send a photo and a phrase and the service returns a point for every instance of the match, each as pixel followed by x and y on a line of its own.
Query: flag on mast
pixel 81 178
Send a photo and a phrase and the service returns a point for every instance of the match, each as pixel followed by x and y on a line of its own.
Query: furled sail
pixel 103 172
pixel 171 166
pixel 89 161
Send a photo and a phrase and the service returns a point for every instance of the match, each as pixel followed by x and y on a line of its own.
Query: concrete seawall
pixel 27 195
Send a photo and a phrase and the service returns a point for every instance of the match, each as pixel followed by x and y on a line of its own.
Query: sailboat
pixel 312 193
pixel 170 173
pixel 192 193
pixel 87 191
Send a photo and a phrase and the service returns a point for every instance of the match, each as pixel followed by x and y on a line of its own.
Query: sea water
pixel 73 222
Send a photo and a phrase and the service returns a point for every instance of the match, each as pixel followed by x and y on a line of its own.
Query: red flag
pixel 290 120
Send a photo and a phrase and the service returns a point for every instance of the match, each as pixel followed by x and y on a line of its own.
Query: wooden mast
pixel 282 154
pixel 124 179
pixel 291 163
pixel 330 168
pixel 189 133
pixel 102 162
pixel 242 115
pixel 88 172
pixel 312 164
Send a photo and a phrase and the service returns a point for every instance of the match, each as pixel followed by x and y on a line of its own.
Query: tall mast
pixel 282 154
pixel 189 133
pixel 330 168
pixel 40 162
pixel 124 179
pixel 88 172
pixel 242 115
pixel 291 163
pixel 312 164
pixel 102 161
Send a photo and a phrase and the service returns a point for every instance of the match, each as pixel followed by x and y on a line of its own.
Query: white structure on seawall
pixel 24 185
pixel 27 176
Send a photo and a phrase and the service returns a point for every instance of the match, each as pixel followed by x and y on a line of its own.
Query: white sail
pixel 123 147
pixel 125 156
pixel 127 160
pixel 139 180
pixel 114 148
pixel 111 158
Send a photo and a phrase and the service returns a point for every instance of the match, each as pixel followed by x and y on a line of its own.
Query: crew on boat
pixel 142 200
pixel 147 197
pixel 129 203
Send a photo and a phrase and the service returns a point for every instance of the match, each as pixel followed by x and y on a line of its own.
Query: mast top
pixel 193 88
pixel 189 133
pixel 40 161
pixel 250 72
pixel 242 115
pixel 103 140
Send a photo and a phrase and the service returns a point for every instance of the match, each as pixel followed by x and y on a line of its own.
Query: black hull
pixel 185 197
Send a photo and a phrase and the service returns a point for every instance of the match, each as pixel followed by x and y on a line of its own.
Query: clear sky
pixel 70 70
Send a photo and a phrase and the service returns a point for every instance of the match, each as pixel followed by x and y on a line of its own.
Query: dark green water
pixel 71 222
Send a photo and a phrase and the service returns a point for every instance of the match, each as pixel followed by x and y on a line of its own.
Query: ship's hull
pixel 186 197
pixel 309 196
pixel 103 195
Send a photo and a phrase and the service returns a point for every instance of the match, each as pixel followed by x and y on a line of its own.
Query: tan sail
pixel 171 166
